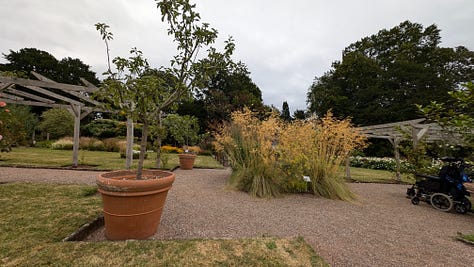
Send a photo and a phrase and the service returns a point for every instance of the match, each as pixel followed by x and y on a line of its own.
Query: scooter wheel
pixel 415 201
pixel 460 208
pixel 441 202
pixel 411 192
pixel 463 206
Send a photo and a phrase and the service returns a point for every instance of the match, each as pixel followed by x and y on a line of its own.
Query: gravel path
pixel 381 229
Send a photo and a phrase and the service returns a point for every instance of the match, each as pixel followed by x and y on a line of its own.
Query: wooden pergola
pixel 415 130
pixel 45 92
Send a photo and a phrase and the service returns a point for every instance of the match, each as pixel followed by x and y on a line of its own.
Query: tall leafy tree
pixel 67 70
pixel 227 85
pixel 382 77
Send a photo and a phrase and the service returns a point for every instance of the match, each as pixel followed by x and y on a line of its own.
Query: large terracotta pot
pixel 132 208
pixel 186 161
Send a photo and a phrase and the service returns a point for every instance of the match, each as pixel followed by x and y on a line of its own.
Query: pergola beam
pixel 76 94
pixel 33 103
pixel 54 95
pixel 54 85
pixel 4 86
pixel 12 97
pixel 28 95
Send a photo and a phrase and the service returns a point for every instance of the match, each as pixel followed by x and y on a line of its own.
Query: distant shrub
pixel 91 144
pixel 104 128
pixel 86 143
pixel 44 144
pixel 112 144
pixel 65 143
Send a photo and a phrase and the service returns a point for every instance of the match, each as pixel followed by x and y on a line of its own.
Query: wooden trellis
pixel 48 93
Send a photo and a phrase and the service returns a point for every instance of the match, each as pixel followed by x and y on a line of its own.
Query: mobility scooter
pixel 445 191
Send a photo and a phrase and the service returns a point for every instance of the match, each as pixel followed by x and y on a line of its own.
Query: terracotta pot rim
pixel 124 181
pixel 187 155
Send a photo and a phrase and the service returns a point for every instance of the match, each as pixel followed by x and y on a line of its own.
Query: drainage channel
pixel 84 231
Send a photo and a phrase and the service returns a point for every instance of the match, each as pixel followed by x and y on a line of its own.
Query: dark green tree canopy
pixel 382 77
pixel 67 70
pixel 227 85
pixel 300 114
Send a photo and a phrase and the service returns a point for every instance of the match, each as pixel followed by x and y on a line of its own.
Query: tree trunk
pixel 141 159
pixel 158 152
pixel 158 143
pixel 129 148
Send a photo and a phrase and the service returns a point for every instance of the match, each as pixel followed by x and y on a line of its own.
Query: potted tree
pixel 184 129
pixel 133 200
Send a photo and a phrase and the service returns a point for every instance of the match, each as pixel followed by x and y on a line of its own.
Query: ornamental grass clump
pixel 271 156
pixel 317 148
pixel 249 144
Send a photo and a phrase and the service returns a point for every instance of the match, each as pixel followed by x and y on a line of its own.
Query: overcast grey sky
pixel 285 44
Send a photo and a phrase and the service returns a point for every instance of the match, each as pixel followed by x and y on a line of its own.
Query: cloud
pixel 285 44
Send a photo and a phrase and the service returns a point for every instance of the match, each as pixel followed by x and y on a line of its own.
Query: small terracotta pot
pixel 186 161
pixel 132 208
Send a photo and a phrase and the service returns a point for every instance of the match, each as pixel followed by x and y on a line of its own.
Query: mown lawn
pixel 98 160
pixel 377 176
pixel 34 218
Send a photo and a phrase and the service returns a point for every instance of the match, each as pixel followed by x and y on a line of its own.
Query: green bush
pixel 104 128
pixel 44 144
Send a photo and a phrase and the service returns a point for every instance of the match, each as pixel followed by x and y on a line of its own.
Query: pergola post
pixel 348 168
pixel 417 134
pixel 76 111
pixel 395 141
